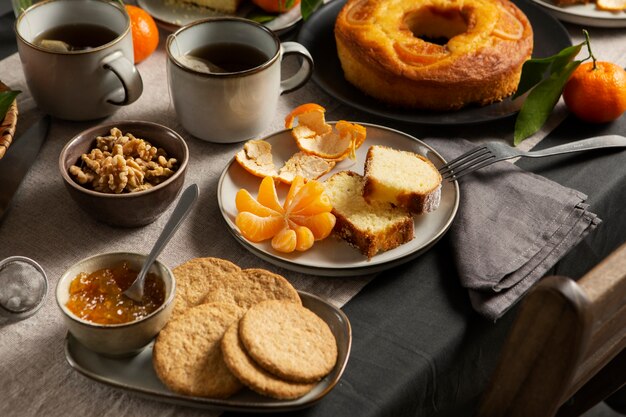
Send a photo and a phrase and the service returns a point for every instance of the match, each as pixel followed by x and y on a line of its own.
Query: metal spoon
pixel 189 196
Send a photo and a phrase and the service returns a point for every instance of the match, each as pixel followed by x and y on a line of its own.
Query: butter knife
pixel 18 160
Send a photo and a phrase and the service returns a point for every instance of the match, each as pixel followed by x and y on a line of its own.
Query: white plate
pixel 585 14
pixel 333 256
pixel 137 375
pixel 172 15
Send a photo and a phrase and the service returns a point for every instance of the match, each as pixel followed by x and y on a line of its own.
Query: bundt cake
pixel 433 54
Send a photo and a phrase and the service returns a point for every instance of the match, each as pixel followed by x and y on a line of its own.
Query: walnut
pixel 123 163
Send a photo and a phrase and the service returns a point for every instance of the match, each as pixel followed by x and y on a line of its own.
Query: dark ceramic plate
pixel 317 35
pixel 137 375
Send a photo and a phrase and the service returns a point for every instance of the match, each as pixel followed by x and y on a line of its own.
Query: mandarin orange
pixel 596 92
pixel 144 32
pixel 303 218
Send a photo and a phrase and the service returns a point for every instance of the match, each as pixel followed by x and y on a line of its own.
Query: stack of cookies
pixel 233 328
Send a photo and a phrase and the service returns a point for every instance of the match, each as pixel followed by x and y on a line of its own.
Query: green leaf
pixel 563 58
pixel 540 102
pixel 261 18
pixel 533 70
pixel 6 98
pixel 307 7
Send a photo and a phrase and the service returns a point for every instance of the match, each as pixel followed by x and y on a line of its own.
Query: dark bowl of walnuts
pixel 125 173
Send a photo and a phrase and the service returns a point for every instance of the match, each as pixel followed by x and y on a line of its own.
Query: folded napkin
pixel 511 228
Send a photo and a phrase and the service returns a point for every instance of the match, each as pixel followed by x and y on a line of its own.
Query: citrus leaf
pixel 6 98
pixel 566 56
pixel 307 7
pixel 262 18
pixel 540 102
pixel 533 70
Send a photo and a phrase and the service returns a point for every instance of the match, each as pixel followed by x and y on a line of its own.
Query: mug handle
pixel 128 76
pixel 304 72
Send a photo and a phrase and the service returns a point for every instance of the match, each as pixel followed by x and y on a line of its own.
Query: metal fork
pixel 491 152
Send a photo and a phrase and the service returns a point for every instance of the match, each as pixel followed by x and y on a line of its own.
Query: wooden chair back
pixel 566 349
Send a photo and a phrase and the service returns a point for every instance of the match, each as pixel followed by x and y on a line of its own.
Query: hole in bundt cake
pixel 436 25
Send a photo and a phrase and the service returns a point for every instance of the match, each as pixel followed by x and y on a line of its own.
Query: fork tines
pixel 468 162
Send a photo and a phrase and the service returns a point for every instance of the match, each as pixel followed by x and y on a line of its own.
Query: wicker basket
pixel 7 127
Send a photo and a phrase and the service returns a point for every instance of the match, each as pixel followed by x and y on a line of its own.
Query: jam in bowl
pixel 98 314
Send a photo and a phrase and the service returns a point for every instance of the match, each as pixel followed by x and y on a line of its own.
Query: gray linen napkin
pixel 511 228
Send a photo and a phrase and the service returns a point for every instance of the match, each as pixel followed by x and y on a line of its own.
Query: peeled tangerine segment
pixel 305 195
pixel 304 218
pixel 245 202
pixel 285 241
pixel 319 204
pixel 320 224
pixel 304 238
pixel 296 184
pixel 257 228
pixel 267 195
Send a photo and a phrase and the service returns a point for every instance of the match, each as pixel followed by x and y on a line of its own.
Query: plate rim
pixel 568 15
pixel 418 117
pixel 225 404
pixel 341 271
pixel 172 26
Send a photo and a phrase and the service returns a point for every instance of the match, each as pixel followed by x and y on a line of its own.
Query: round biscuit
pixel 187 355
pixel 288 340
pixel 252 375
pixel 194 278
pixel 250 287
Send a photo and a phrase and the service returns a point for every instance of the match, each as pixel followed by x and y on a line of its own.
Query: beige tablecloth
pixel 46 225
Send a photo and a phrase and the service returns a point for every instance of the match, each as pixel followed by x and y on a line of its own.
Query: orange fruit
pixel 276 6
pixel 144 31
pixel 303 218
pixel 596 92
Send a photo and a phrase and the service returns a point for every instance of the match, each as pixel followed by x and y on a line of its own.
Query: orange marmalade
pixel 97 296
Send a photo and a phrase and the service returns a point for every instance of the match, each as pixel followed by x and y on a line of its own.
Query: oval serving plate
pixel 7 125
pixel 333 256
pixel 137 375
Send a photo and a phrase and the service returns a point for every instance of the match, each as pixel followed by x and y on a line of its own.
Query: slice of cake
pixel 404 179
pixel 371 228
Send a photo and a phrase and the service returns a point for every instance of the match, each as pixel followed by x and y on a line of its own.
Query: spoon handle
pixel 185 203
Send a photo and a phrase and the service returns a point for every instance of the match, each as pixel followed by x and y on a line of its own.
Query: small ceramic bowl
pixel 127 209
pixel 116 340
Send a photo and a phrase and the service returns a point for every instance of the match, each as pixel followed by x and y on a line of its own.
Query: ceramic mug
pixel 229 105
pixel 79 84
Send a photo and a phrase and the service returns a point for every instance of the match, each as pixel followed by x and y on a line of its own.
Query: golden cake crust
pixel 384 49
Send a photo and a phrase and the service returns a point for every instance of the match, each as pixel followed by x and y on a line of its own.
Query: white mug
pixel 230 105
pixel 82 84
